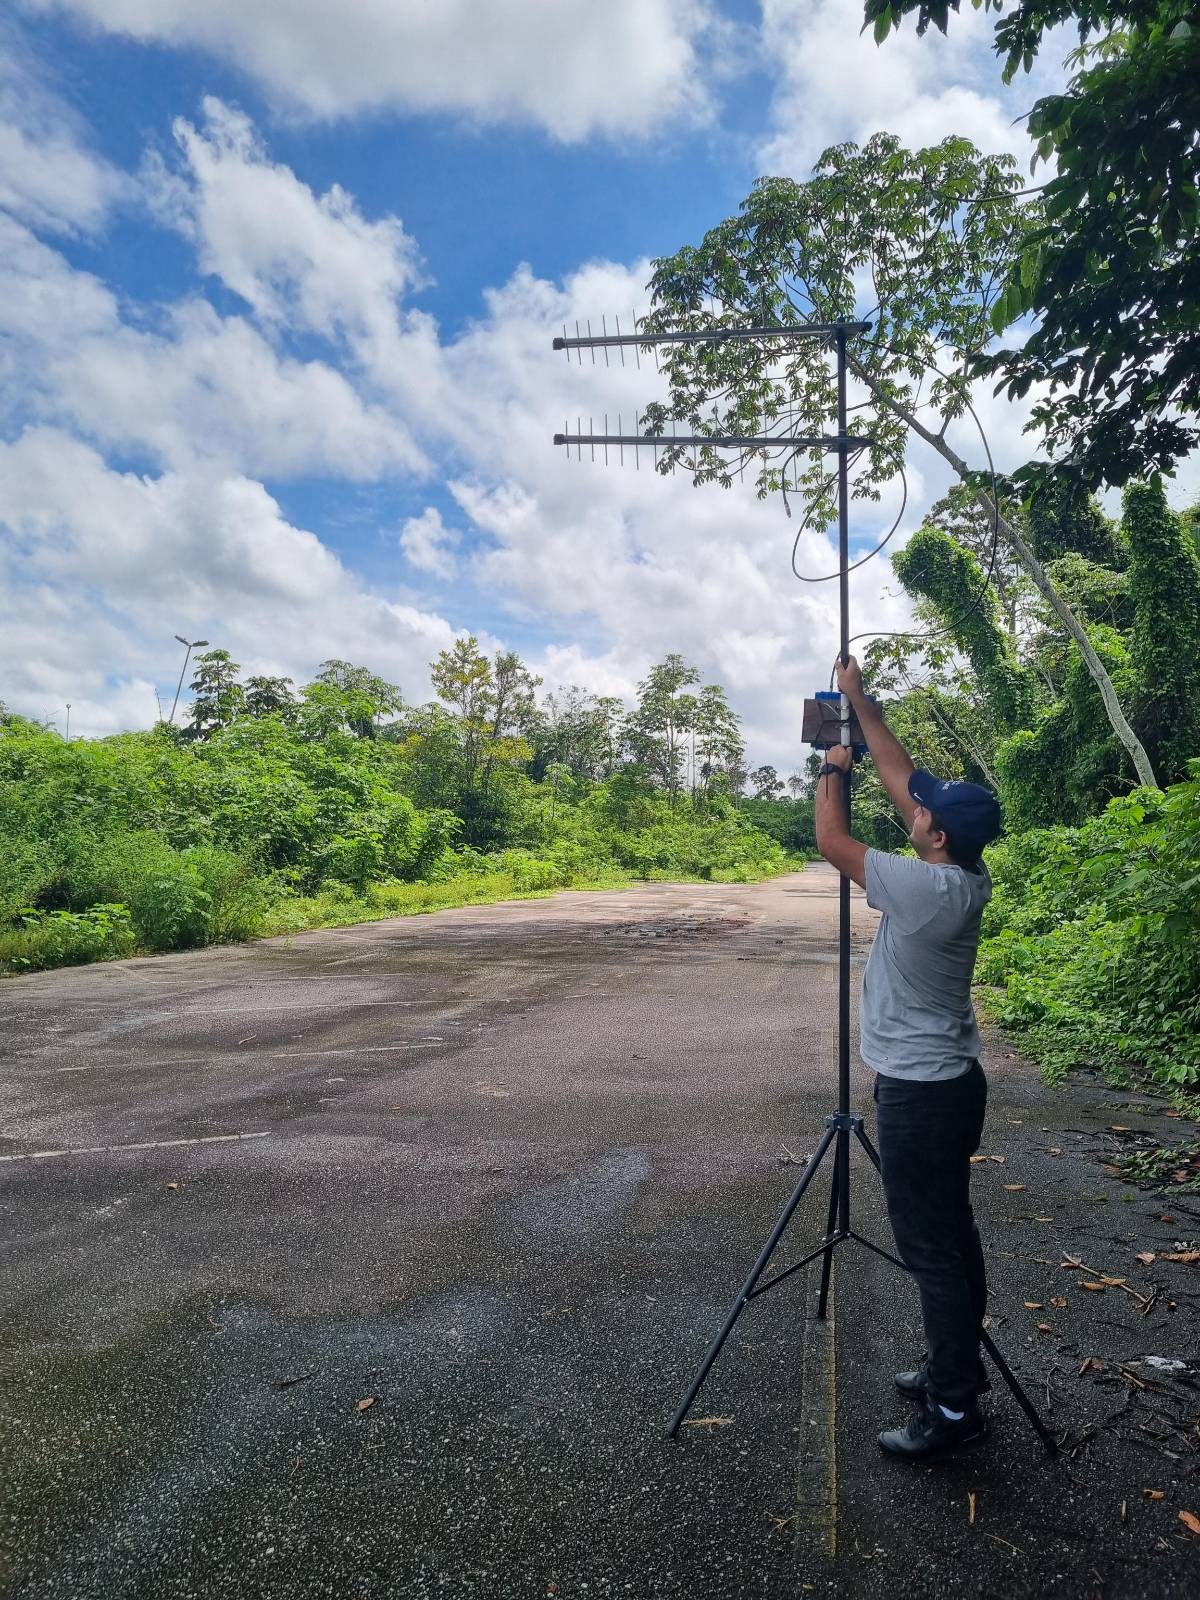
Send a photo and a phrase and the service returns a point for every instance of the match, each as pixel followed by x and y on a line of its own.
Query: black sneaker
pixel 930 1434
pixel 915 1385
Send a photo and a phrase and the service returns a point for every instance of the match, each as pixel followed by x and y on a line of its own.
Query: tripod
pixel 843 1123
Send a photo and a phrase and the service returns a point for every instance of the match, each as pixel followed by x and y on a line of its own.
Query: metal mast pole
pixel 844 886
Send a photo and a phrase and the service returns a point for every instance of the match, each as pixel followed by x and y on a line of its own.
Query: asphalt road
pixel 499 1172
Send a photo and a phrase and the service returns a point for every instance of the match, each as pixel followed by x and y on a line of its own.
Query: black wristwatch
pixel 828 768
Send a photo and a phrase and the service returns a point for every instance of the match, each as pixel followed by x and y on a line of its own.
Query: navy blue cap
pixel 968 812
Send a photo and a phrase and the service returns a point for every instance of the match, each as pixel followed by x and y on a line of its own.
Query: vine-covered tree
pixel 1164 582
pixel 933 565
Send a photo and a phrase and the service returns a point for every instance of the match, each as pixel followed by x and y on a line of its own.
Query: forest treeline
pixel 274 808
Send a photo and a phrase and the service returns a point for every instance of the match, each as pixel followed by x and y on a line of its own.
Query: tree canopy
pixel 1111 269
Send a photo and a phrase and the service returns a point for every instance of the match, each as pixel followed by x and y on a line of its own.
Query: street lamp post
pixel 192 644
pixel 68 738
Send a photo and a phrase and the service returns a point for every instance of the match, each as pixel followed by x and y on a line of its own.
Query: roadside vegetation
pixel 272 810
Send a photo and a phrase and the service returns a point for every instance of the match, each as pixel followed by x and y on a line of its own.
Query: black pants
pixel 928 1133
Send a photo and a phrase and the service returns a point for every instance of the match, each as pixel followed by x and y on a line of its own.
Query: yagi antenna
pixel 762 440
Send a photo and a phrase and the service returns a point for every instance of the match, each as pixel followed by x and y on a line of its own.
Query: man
pixel 918 1033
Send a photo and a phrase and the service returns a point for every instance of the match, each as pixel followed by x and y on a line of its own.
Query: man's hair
pixel 960 856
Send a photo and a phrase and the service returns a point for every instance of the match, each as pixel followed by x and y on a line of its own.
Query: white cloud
pixel 428 544
pixel 47 175
pixel 299 260
pixel 199 388
pixel 572 67
pixel 303 263
pixel 102 568
pixel 834 83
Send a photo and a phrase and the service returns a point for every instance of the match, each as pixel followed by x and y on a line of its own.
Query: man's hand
pixel 839 755
pixel 849 677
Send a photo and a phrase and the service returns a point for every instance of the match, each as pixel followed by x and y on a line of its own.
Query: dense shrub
pixel 66 938
pixel 263 826
pixel 1092 934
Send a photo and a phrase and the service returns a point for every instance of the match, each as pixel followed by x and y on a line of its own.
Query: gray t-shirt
pixel 916 1019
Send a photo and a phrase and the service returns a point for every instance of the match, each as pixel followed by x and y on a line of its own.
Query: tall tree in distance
pixel 217 697
pixel 266 695
pixel 718 734
pixel 664 715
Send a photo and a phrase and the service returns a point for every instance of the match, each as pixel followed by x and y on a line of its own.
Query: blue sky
pixel 280 286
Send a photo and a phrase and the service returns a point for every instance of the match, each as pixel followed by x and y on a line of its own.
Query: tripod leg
pixel 827 1261
pixel 870 1149
pixel 1022 1399
pixel 756 1273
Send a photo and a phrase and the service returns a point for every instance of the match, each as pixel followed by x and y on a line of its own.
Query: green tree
pixel 217 696
pixel 364 697
pixel 664 714
pixel 901 222
pixel 462 678
pixel 717 730
pixel 266 696
pixel 765 783
pixel 1110 270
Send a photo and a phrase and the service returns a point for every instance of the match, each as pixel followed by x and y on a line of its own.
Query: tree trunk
pixel 1042 581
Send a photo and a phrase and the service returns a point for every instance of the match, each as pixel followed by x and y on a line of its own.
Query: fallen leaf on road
pixel 1166 1219
pixel 1044 1327
pixel 367 1403
pixel 1055 1150
pixel 1059 1302
pixel 1190 1521
pixel 1043 1219
pixel 1088 1284
pixel 1033 1305
pixel 975 1160
pixel 1146 1257
pixel 286 1383
pixel 1189 1256
pixel 708 1422
pixel 172 1186
pixel 1092 1364
pixel 1155 1494
pixel 999 1160
pixel 1070 1263
pixel 971 1507
pixel 1014 1188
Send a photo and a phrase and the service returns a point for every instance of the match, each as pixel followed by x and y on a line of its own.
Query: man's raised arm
pixel 892 761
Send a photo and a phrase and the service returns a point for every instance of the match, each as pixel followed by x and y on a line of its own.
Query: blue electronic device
pixel 829 730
